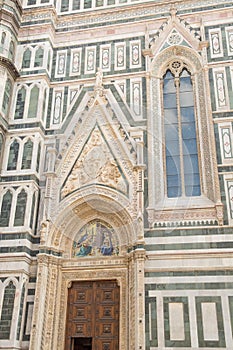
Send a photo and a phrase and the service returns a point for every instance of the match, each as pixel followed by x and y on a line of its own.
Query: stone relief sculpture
pixel 94 239
pixel 95 165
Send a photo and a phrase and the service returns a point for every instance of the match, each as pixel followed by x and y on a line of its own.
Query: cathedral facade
pixel 116 175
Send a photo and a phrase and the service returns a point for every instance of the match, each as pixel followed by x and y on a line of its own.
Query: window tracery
pixel 182 165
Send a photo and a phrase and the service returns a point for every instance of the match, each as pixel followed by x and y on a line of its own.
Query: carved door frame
pixel 55 276
pixel 92 274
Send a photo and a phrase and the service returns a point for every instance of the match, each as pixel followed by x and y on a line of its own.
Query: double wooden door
pixel 93 316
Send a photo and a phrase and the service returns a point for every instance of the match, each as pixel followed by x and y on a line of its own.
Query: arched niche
pixel 81 209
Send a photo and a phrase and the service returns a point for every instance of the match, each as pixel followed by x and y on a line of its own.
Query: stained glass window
pixel 182 168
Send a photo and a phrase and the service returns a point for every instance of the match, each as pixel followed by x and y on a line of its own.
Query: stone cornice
pixel 10 67
pixel 115 14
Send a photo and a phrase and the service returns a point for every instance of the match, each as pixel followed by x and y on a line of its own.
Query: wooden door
pixel 93 312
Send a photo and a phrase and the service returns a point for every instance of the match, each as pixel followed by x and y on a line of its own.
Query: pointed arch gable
pixel 175 31
pixel 95 164
pixel 121 154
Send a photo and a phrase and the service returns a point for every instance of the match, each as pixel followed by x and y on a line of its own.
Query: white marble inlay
pixel 209 321
pixel 176 321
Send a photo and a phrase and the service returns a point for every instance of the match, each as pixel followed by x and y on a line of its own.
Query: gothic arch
pixel 179 209
pixel 185 54
pixel 83 208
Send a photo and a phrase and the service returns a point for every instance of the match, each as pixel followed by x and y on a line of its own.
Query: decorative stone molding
pixel 5 62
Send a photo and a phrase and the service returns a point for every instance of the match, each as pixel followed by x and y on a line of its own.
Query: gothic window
pixel 20 208
pixel 3 38
pixel 39 57
pixel 6 97
pixel 26 58
pixel 7 311
pixel 20 103
pixel 183 185
pixel 12 51
pixel 38 158
pixel 13 156
pixel 33 104
pixel 182 168
pixel 6 209
pixel 27 155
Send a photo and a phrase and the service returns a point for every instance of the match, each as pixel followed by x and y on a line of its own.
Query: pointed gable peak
pixel 95 165
pixel 175 31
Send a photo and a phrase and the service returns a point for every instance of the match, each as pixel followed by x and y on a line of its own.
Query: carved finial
pixel 44 231
pixel 147 38
pixel 173 11
pixel 99 82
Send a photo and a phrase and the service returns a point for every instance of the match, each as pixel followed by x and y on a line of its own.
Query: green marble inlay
pixel 187 339
pixel 220 343
pixel 231 311
pixel 189 286
pixel 151 322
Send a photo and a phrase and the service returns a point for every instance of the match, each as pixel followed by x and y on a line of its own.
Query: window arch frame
pixel 207 207
pixel 32 191
pixel 183 156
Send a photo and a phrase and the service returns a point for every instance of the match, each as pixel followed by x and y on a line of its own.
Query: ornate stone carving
pixel 44 231
pixel 95 165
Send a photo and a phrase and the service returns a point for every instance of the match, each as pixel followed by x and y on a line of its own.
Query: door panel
pixel 93 311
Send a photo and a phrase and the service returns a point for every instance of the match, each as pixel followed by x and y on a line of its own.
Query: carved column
pixel 50 175
pixel 45 299
pixel 137 299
